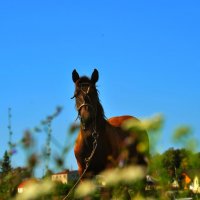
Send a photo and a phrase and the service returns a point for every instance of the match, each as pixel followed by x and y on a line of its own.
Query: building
pixel 186 180
pixel 65 176
pixel 195 187
pixel 151 183
pixel 26 183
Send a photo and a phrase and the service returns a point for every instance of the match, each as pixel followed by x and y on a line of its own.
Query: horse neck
pixel 100 118
pixel 97 124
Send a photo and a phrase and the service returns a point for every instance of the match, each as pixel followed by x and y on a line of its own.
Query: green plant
pixel 118 183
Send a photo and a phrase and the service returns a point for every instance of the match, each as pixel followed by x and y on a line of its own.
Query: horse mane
pixel 100 110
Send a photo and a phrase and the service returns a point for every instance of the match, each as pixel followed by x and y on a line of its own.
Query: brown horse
pixel 102 143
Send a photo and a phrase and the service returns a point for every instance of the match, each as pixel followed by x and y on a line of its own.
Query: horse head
pixel 86 96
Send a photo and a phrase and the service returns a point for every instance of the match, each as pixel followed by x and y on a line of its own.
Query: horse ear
pixel 75 76
pixel 95 76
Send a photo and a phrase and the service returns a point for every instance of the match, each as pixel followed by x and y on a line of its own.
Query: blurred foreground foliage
pixel 119 183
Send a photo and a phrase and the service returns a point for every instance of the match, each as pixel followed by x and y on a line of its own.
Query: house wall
pixel 65 177
pixel 60 178
pixel 20 190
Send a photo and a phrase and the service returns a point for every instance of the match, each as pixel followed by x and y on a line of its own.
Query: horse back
pixel 118 121
pixel 140 138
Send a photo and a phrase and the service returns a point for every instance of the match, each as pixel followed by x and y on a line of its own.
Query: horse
pixel 102 143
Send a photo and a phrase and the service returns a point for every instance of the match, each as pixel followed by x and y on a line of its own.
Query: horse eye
pixel 77 93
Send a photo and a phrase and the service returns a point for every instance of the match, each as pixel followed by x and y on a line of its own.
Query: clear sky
pixel 147 54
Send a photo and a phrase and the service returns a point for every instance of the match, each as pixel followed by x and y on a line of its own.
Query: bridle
pixel 84 103
pixel 95 136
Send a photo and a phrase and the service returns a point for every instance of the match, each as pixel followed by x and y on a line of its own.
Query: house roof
pixel 63 172
pixel 67 171
pixel 27 182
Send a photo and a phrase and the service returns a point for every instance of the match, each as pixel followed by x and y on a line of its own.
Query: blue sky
pixel 147 54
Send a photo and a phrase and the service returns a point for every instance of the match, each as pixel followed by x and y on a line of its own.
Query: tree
pixel 6 164
pixel 175 159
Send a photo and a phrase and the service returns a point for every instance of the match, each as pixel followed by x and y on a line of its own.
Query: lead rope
pixel 95 135
pixel 87 161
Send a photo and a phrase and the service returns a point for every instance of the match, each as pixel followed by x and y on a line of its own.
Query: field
pixel 170 175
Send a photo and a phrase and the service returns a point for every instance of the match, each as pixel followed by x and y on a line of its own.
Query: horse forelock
pixel 83 79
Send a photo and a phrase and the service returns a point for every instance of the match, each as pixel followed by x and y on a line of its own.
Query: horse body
pixel 110 146
pixel 114 146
